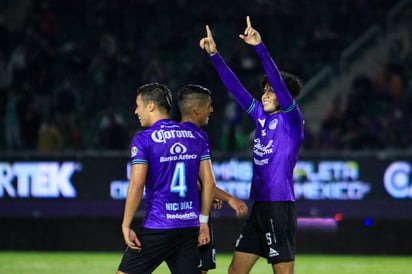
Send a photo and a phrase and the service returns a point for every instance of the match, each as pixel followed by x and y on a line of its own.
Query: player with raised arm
pixel 167 160
pixel 270 230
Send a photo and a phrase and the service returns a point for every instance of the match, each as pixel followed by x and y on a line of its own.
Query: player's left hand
pixel 250 35
pixel 204 236
pixel 131 239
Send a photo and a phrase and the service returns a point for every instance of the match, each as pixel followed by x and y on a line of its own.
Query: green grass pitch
pixel 106 263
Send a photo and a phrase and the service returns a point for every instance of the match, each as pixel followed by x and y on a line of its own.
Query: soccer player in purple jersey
pixel 195 104
pixel 167 160
pixel 270 230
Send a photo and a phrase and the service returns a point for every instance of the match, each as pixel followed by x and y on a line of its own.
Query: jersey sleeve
pixel 205 155
pixel 231 82
pixel 138 153
pixel 284 97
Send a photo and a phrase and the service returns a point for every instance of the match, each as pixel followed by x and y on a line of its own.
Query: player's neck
pixel 158 117
pixel 188 119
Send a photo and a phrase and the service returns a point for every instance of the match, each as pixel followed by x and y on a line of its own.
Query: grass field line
pixel 107 262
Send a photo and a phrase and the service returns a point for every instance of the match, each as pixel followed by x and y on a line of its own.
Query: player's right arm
pixel 133 199
pixel 227 76
pixel 207 195
pixel 236 204
pixel 252 37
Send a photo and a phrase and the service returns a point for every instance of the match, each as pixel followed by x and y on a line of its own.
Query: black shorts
pixel 177 247
pixel 270 232
pixel 208 252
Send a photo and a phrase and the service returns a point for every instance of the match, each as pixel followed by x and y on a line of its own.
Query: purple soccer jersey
pixel 173 154
pixel 277 137
pixel 200 131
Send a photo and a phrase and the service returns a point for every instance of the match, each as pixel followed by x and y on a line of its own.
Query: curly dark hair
pixel 292 82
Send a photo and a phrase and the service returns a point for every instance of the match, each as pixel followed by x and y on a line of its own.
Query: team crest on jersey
pixel 134 151
pixel 273 124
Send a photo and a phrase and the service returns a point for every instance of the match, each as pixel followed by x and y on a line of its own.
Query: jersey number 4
pixel 178 184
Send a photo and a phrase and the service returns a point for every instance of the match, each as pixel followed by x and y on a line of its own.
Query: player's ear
pixel 195 109
pixel 151 106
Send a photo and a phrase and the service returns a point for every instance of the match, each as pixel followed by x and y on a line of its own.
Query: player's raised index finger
pixel 209 33
pixel 248 24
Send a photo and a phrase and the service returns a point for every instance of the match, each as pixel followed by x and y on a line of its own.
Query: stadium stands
pixel 95 53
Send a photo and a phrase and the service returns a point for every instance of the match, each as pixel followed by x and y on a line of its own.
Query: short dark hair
pixel 191 93
pixel 292 82
pixel 158 93
pixel 192 88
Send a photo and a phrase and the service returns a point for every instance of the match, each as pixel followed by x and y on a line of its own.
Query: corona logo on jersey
pixel 397 180
pixel 38 179
pixel 160 136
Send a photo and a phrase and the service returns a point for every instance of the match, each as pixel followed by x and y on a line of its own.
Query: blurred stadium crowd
pixel 69 69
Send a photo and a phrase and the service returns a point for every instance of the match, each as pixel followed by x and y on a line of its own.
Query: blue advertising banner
pixel 326 186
